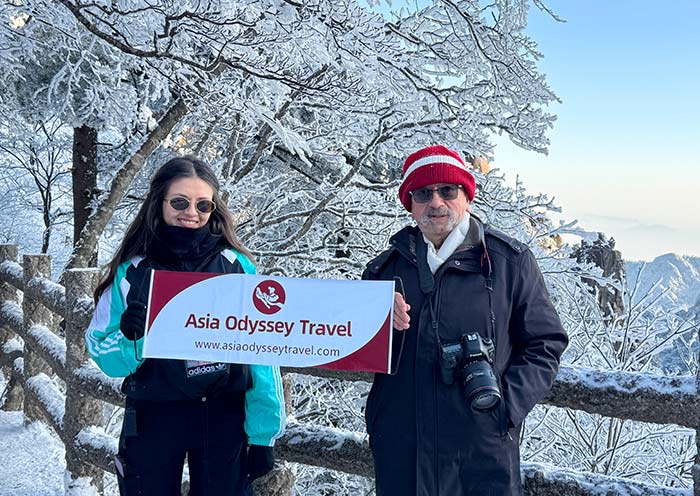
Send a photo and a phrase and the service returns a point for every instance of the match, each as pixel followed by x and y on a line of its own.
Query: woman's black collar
pixel 174 244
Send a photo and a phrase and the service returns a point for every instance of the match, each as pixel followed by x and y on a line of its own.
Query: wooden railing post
pixel 81 409
pixel 13 393
pixel 34 313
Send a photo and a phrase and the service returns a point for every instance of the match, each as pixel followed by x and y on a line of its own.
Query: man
pixel 447 422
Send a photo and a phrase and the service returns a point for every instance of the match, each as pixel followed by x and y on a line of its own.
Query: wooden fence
pixel 40 312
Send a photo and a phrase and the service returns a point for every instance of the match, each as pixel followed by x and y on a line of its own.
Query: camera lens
pixel 486 401
pixel 481 386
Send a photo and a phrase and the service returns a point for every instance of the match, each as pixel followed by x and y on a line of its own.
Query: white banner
pixel 240 318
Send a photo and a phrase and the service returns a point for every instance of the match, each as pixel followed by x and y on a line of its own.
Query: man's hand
pixel 261 460
pixel 402 321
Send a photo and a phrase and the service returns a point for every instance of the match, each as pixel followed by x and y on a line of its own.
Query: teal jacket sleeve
pixel 113 353
pixel 264 406
pixel 265 416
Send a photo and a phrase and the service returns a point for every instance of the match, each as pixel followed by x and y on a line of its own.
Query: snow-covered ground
pixel 31 458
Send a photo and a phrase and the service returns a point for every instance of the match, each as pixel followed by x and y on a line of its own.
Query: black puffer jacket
pixel 425 438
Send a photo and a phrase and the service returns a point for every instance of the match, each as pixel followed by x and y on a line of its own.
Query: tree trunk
pixel 84 173
pixel 100 216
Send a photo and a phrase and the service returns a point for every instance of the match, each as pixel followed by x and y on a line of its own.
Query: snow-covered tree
pixel 307 110
pixel 36 171
pixel 337 92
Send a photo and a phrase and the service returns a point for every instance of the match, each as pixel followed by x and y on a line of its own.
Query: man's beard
pixel 427 222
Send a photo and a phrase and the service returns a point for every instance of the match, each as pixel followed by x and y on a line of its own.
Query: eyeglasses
pixel 203 206
pixel 424 195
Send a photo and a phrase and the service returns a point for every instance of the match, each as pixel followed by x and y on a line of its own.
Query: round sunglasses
pixel 203 206
pixel 424 195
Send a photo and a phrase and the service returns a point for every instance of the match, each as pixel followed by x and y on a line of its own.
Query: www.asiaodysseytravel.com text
pixel 265 348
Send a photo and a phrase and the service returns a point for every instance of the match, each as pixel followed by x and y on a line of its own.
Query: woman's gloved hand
pixel 261 460
pixel 133 321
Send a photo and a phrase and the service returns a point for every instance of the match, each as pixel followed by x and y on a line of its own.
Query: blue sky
pixel 624 154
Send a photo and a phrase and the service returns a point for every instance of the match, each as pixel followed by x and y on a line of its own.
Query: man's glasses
pixel 424 195
pixel 203 206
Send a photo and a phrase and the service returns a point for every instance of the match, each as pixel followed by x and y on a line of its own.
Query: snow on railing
pixel 640 396
pixel 90 450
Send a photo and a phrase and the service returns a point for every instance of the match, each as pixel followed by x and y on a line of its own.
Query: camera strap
pixel 435 311
pixel 486 267
pixel 486 272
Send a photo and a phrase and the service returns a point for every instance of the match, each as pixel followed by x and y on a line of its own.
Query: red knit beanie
pixel 431 165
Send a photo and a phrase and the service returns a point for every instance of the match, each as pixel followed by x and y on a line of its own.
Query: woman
pixel 223 417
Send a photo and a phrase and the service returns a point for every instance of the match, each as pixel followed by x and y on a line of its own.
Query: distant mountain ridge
pixel 679 274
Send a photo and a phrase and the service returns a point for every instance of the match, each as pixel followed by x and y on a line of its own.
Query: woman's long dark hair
pixel 142 230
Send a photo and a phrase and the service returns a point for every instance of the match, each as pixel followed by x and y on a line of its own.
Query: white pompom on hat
pixel 432 165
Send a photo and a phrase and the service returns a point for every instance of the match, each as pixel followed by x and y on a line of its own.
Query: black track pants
pixel 156 436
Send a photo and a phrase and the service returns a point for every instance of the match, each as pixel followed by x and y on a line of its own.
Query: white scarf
pixel 437 257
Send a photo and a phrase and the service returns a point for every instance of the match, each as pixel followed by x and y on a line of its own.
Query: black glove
pixel 261 460
pixel 133 321
pixel 134 317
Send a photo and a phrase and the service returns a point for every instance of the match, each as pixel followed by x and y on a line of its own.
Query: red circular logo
pixel 269 297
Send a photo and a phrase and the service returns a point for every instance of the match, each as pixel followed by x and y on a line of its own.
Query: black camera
pixel 472 358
